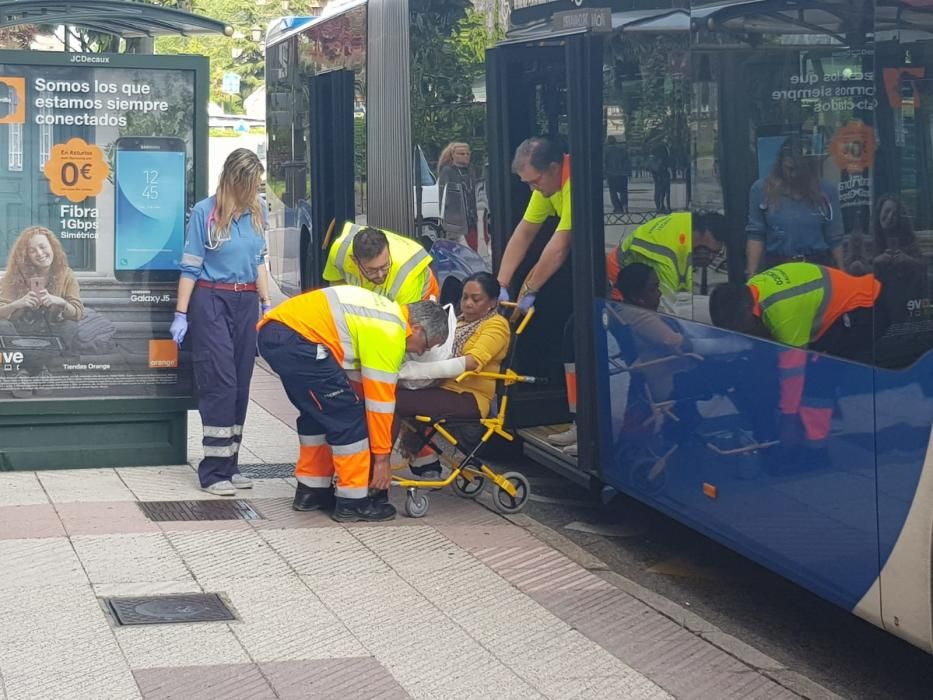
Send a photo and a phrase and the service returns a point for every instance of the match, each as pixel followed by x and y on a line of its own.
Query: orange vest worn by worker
pixel 365 332
pixel 798 302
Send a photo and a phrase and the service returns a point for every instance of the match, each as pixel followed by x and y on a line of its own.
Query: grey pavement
pixel 463 603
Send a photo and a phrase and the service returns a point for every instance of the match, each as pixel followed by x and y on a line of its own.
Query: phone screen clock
pixel 150 194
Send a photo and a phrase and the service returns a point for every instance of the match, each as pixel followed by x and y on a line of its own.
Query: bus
pixel 718 107
pixel 733 107
pixel 356 126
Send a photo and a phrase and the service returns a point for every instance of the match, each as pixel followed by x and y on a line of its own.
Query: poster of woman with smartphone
pixel 39 293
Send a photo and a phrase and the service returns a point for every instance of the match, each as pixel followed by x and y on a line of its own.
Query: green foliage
pixel 244 16
pixel 448 46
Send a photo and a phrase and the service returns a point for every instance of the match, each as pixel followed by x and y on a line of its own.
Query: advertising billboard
pixel 97 175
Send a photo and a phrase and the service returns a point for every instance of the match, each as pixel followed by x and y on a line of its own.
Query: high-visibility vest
pixel 799 301
pixel 409 278
pixel 365 332
pixel 665 244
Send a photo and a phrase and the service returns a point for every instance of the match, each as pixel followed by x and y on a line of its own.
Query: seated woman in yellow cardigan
pixel 481 342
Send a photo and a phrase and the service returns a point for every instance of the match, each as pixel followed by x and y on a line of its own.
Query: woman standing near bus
pixel 223 277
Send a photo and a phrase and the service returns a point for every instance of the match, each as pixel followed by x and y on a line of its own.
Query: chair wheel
pixel 416 504
pixel 469 488
pixel 508 504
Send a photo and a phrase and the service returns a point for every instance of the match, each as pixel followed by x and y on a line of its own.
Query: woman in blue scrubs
pixel 223 279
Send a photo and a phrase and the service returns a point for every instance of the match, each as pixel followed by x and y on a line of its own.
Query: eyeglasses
pixel 375 271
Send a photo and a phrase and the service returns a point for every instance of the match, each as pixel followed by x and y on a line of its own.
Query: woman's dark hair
pixel 487 282
pixel 903 229
pixel 632 280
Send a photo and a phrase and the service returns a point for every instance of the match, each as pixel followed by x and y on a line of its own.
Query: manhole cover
pixel 166 511
pixel 268 471
pixel 160 610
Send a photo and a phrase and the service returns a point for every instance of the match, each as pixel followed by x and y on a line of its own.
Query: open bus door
pixel 552 88
pixel 332 187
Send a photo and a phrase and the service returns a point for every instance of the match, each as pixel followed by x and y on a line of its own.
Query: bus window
pixel 448 123
pixel 899 241
pixel 647 186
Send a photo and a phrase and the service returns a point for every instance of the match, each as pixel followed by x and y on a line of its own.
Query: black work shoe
pixel 429 472
pixel 307 498
pixel 351 510
pixel 379 497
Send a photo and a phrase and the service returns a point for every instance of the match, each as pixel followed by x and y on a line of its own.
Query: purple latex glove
pixel 526 302
pixel 504 294
pixel 179 327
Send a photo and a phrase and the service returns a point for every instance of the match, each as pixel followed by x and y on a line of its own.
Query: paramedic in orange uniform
pixel 317 343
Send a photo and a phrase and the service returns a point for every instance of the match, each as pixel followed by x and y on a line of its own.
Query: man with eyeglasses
pixel 382 262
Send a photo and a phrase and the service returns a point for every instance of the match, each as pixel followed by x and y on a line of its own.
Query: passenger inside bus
pixel 481 342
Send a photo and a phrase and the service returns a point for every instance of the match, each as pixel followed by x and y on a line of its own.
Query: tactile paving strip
pixel 160 610
pixel 171 511
pixel 267 471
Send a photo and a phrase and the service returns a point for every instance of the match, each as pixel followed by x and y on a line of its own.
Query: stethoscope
pixel 215 238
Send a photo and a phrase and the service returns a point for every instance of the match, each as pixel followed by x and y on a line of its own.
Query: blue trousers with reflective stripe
pixel 317 386
pixel 222 327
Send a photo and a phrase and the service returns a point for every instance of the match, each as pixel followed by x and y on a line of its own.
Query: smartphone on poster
pixel 150 195
pixel 36 284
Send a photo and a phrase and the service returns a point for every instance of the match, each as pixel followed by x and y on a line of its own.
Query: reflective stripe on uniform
pixel 378 375
pixel 222 451
pixel 193 260
pixel 218 431
pixel 373 313
pixel 351 449
pixel 237 430
pixel 380 406
pixel 666 252
pixel 406 269
pixel 316 482
pixel 354 492
pixel 312 440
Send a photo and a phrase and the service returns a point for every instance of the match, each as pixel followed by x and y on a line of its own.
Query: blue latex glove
pixel 526 302
pixel 266 308
pixel 504 294
pixel 179 327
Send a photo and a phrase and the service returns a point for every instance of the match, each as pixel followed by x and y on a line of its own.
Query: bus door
pixel 551 88
pixel 332 158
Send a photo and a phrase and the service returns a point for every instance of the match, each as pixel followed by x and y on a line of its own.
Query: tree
pixel 239 54
pixel 448 46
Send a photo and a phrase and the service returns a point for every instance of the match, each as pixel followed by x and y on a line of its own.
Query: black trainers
pixel 351 510
pixel 428 472
pixel 308 499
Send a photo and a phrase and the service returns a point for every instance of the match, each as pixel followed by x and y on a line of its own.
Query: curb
pixel 735 647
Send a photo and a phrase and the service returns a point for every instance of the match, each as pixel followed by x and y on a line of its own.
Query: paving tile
pixel 202 525
pixel 21 489
pixel 411 638
pixel 180 644
pixel 539 568
pixel 76 485
pixel 228 554
pixel 27 561
pixel 178 483
pixel 282 620
pixel 277 513
pixel 105 518
pixel 33 521
pixel 682 663
pixel 324 551
pixel 483 537
pixel 129 558
pixel 37 610
pixel 333 679
pixel 144 588
pixel 268 488
pixel 414 548
pixel 228 682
